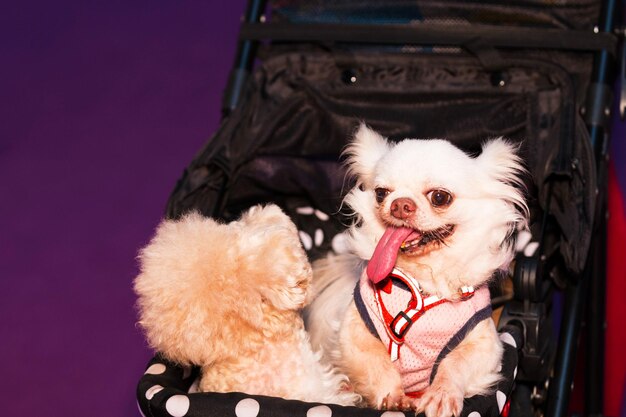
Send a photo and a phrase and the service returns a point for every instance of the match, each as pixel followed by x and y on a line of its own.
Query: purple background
pixel 103 105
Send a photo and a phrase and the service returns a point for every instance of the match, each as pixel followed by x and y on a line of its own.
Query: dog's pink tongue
pixel 386 252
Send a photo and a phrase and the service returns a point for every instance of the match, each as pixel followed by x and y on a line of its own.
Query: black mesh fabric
pixel 283 144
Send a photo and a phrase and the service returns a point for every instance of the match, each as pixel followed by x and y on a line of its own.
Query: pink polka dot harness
pixel 419 330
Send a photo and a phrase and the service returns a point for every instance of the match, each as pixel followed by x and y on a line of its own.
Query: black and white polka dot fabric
pixel 320 232
pixel 166 390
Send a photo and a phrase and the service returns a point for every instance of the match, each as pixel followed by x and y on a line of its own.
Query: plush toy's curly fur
pixel 227 297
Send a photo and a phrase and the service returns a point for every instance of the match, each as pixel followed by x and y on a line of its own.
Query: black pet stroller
pixel 539 73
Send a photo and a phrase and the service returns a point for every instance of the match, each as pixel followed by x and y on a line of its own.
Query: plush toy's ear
pixel 365 150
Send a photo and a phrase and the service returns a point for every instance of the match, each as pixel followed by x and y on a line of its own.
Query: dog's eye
pixel 381 193
pixel 440 198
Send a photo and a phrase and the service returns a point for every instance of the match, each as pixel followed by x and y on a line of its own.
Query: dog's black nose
pixel 402 208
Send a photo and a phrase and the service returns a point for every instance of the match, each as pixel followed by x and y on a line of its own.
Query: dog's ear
pixel 365 150
pixel 500 162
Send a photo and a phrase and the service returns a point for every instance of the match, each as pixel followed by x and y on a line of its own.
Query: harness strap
pixel 398 326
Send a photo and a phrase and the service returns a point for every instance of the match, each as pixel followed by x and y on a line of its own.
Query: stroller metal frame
pixel 528 310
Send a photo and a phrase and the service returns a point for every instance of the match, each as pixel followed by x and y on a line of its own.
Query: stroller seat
pixel 166 389
pixel 287 122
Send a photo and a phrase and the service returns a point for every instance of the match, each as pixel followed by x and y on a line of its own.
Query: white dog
pixel 406 314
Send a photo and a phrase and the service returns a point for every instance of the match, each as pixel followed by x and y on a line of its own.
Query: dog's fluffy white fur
pixel 483 205
pixel 228 298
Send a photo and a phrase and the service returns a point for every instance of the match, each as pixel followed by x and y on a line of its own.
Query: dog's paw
pixel 396 400
pixel 440 401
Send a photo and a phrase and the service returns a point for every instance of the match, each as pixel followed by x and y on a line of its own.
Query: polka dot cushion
pixel 168 390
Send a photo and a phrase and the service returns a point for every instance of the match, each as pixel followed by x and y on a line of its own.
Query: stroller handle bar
pixel 433 34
